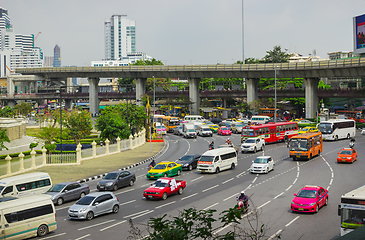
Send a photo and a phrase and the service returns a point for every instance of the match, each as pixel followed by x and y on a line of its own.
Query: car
pixel 309 199
pixel 177 130
pixel 208 122
pixel 363 132
pixel 244 120
pixel 181 131
pixel 308 129
pixel 296 120
pixel 262 164
pixel 253 145
pixel 225 124
pixel 189 162
pixel 115 180
pixel 204 130
pixel 224 131
pixel 94 204
pixel 304 121
pixel 213 127
pixel 67 191
pixel 164 169
pixel 216 120
pixel 164 187
pixel 347 155
pixel 237 127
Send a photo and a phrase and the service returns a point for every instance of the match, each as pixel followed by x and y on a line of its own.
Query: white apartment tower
pixel 120 37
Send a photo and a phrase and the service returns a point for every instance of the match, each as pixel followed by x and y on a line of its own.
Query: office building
pixel 57 56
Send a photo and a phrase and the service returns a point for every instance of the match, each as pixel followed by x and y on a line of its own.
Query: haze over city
pixel 189 32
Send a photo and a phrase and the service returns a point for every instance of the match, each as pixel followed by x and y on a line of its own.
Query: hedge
pixel 13 155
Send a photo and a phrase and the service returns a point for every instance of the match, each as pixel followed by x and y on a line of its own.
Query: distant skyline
pixel 189 32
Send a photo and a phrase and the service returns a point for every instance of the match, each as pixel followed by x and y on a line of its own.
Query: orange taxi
pixel 347 155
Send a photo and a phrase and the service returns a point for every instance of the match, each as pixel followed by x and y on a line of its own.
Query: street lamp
pixel 275 97
pixel 60 92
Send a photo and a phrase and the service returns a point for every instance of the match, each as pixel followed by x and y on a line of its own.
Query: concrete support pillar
pixel 93 95
pixel 140 89
pixel 68 103
pixel 10 87
pixel 194 95
pixel 224 102
pixel 252 85
pixel 94 148
pixel 311 97
pixel 11 103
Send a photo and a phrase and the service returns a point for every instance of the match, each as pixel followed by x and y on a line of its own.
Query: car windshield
pixel 240 125
pixel 260 160
pixel 56 188
pixel 186 158
pixel 247 132
pixel 206 130
pixel 352 216
pixel 305 129
pixel 160 183
pixel 174 122
pixel 224 129
pixel 191 130
pixel 1 188
pixel 160 166
pixel 345 152
pixel 325 128
pixel 85 200
pixel 307 194
pixel 250 141
pixel 110 176
pixel 207 158
pixel 298 144
pixel 214 126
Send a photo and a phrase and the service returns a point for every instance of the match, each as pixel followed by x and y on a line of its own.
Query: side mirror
pixel 96 204
pixel 295 194
pixel 65 191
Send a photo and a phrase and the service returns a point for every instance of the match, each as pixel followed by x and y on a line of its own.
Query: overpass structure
pixel 311 72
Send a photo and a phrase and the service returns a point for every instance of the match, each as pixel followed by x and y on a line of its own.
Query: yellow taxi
pixel 296 120
pixel 164 169
pixel 213 127
pixel 308 129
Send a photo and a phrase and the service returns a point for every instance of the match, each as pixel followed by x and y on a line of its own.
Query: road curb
pixel 165 146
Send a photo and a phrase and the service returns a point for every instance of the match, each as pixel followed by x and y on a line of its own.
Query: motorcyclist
pixel 229 141
pixel 352 142
pixel 243 198
pixel 211 145
pixel 152 164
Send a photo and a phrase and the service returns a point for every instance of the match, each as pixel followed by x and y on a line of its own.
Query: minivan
pixel 216 160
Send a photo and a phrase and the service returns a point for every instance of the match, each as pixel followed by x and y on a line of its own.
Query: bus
pixel 157 118
pixel 260 119
pixel 170 122
pixel 306 145
pixel 268 112
pixel 355 115
pixel 271 132
pixel 352 210
pixel 335 129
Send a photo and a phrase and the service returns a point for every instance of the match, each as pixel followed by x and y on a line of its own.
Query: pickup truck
pixel 164 187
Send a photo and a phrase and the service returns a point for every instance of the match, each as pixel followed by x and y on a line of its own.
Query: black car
pixel 115 180
pixel 216 120
pixel 188 162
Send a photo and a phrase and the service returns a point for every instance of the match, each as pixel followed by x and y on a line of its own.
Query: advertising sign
pixel 359 34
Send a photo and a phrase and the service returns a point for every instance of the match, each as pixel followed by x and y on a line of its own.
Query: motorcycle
pixel 351 144
pixel 150 167
pixel 242 206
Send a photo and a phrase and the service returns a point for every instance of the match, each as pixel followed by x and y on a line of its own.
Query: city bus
pixel 335 129
pixel 271 132
pixel 355 115
pixel 268 112
pixel 170 122
pixel 306 145
pixel 352 210
pixel 157 118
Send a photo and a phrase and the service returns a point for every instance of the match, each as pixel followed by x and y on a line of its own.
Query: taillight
pixel 117 199
pixel 87 186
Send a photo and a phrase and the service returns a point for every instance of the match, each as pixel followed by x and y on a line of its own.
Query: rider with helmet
pixel 211 145
pixel 243 198
pixel 229 141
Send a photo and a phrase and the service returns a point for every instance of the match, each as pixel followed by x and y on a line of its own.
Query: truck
pixel 164 187
pixel 189 130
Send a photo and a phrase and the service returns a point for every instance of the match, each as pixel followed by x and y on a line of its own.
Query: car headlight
pixel 185 165
pixel 312 204
pixel 348 157
pixel 82 210
pixel 53 197
pixel 109 184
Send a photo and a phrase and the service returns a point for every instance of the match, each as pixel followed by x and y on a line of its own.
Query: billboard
pixel 359 34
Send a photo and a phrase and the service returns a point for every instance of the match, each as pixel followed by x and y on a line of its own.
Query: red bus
pixel 271 132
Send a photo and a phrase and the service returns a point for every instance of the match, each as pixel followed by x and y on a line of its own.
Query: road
pixel 271 193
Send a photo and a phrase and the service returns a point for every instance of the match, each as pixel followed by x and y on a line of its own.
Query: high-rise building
pixel 48 61
pixel 120 37
pixel 4 24
pixel 57 56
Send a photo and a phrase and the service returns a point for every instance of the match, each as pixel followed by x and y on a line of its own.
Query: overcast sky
pixel 189 31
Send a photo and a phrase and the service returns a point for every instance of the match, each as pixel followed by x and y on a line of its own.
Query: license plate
pixel 297 156
pixel 72 215
pixel 203 170
pixel 149 196
pixel 324 138
pixel 301 209
pixel 101 187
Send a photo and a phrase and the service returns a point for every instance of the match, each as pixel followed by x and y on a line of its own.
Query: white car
pixel 363 132
pixel 262 164
pixel 253 145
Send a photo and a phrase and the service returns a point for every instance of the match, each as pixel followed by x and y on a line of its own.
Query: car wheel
pixel 267 170
pixel 233 166
pixel 180 190
pixel 178 172
pixel 42 230
pixel 164 196
pixel 317 208
pixel 336 138
pixel 131 182
pixel 89 215
pixel 82 195
pixel 115 188
pixel 115 208
pixel 326 203
pixel 255 150
pixel 348 135
pixel 190 167
pixel 217 170
pixel 165 175
pixel 59 201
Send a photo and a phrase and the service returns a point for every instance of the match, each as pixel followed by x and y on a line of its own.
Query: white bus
pixel 260 119
pixel 27 217
pixel 352 210
pixel 335 129
pixel 25 185
pixel 216 160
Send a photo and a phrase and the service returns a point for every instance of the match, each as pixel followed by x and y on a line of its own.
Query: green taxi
pixel 164 169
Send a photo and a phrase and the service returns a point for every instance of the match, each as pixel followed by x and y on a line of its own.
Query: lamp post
pixel 275 97
pixel 60 92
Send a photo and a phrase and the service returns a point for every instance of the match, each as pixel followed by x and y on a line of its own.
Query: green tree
pixel 276 56
pixel 148 62
pixel 78 124
pixel 7 112
pixel 23 108
pixel 3 138
pixel 112 125
pixel 48 134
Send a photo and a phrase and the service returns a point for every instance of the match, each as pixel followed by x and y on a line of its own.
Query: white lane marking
pixel 332 174
pixel 192 195
pixel 210 188
pixel 146 184
pixel 230 197
pixel 242 173
pixel 227 180
pixel 96 225
pixel 125 191
pixel 264 204
pixel 188 146
pixel 144 175
pixel 211 206
pixel 197 178
pixel 287 225
pixel 112 225
pixel 142 214
pixel 136 213
pixel 298 173
pixel 278 195
pixel 82 237
pixel 222 228
pixel 127 202
pixel 248 187
pixel 57 235
pixel 295 180
pixel 288 187
pixel 275 234
pixel 165 204
pixel 254 179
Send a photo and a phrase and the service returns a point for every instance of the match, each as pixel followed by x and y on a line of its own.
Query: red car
pixel 164 187
pixel 224 131
pixel 309 199
pixel 347 155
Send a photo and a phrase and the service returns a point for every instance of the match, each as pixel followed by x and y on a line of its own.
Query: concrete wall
pixel 15 127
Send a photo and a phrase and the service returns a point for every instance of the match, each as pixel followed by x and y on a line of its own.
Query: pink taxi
pixel 309 199
pixel 224 131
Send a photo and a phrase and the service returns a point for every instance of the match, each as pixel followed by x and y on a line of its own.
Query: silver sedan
pixel 67 191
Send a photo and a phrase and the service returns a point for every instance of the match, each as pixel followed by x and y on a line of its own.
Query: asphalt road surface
pixel 270 194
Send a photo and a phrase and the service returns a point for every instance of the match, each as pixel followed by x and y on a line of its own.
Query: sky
pixel 189 31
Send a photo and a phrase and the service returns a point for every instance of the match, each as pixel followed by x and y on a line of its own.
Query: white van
pixel 260 119
pixel 25 185
pixel 204 130
pixel 217 160
pixel 194 118
pixel 27 217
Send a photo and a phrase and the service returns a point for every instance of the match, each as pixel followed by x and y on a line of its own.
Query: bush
pixel 13 155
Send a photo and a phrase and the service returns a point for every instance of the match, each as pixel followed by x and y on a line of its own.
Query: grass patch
pixel 32 131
